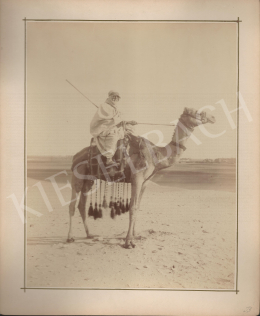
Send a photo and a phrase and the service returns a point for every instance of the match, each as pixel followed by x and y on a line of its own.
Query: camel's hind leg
pixel 82 205
pixel 78 185
pixel 73 201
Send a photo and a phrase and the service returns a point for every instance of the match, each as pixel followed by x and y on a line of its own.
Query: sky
pixel 158 69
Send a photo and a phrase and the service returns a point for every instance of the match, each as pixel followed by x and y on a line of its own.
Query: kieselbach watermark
pixel 20 207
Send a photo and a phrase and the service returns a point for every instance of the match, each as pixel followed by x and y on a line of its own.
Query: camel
pixel 147 162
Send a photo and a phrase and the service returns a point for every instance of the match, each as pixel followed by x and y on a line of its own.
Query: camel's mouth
pixel 206 118
pixel 203 117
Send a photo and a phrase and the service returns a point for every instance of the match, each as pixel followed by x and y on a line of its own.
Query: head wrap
pixel 112 92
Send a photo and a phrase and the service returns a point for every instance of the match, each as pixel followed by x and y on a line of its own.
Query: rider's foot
pixel 109 161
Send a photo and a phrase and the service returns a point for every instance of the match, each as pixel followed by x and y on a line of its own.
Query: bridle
pixel 191 129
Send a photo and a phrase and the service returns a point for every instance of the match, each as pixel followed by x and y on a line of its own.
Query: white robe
pixel 104 130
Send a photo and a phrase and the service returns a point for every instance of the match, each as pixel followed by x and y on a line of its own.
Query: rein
pixel 157 124
pixel 178 145
pixel 173 124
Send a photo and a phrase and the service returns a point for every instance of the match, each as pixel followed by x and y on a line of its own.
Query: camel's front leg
pixel 73 201
pixel 136 190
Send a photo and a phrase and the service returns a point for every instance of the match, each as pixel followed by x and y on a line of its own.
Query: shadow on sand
pixel 61 241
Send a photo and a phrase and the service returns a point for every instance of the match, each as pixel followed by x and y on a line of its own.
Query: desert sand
pixel 186 239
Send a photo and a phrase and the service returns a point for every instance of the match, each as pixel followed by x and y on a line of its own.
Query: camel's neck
pixel 181 135
pixel 176 147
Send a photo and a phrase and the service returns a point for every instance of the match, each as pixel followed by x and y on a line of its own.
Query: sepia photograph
pixel 131 147
pixel 129 157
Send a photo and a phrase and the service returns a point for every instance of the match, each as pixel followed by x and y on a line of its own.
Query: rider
pixel 107 127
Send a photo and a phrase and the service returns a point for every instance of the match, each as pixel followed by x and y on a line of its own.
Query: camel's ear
pixel 190 111
pixel 185 111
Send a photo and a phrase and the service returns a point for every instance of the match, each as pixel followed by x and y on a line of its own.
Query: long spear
pixel 81 93
pixel 97 107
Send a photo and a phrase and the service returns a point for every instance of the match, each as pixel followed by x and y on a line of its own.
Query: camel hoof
pixel 127 246
pixel 70 240
pixel 132 244
pixel 90 236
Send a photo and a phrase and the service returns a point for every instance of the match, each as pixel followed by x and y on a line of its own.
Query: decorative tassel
pixel 90 210
pixel 111 202
pixel 115 207
pixel 104 204
pixel 117 204
pixel 100 215
pixel 112 213
pixel 95 211
pixel 123 206
pixel 123 198
pixel 127 204
pixel 118 211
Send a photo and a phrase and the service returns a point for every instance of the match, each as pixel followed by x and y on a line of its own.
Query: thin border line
pixel 64 20
pixel 109 289
pixel 237 145
pixel 25 156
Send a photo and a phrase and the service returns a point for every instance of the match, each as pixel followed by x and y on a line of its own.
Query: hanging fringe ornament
pixel 104 204
pixel 118 202
pixel 112 213
pixel 127 204
pixel 100 215
pixel 96 209
pixel 120 199
pixel 118 211
pixel 90 210
pixel 115 203
pixel 99 207
pixel 123 199
pixel 112 204
pixel 123 206
pixel 115 208
pixel 112 194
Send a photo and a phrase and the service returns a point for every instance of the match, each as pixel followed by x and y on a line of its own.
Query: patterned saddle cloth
pixel 89 161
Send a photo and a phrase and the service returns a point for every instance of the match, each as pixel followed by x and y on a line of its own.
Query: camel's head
pixel 192 118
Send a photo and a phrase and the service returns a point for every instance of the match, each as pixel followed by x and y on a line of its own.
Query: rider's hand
pixel 132 122
pixel 119 124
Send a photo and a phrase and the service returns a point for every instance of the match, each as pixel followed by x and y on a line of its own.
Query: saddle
pixel 90 161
